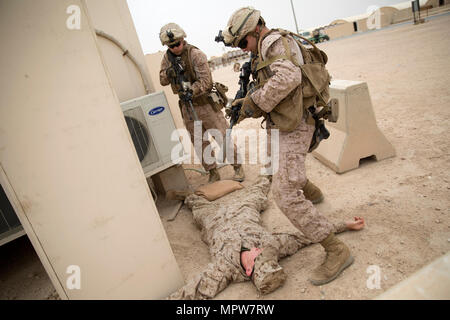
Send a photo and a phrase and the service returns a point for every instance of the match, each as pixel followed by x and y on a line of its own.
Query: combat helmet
pixel 171 33
pixel 242 22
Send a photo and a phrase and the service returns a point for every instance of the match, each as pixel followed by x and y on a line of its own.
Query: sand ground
pixel 405 199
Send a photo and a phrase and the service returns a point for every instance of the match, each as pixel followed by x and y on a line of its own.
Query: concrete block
pixel 432 282
pixel 355 135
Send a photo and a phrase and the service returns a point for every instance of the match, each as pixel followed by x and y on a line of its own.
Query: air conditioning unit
pixel 151 126
pixel 10 227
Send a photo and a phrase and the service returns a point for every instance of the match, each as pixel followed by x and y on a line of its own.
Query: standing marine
pixel 289 80
pixel 207 98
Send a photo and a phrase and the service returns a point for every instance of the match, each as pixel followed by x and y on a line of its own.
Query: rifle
pixel 329 112
pixel 244 79
pixel 185 86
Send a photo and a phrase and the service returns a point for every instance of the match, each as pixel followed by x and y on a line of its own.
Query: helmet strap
pixel 255 34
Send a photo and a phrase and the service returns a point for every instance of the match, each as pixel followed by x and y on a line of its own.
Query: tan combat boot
pixel 214 175
pixel 239 174
pixel 312 193
pixel 338 258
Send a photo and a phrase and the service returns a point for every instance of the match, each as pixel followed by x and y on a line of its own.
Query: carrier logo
pixel 156 110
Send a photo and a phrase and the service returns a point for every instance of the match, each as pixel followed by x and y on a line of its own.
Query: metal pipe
pixel 128 54
pixel 295 19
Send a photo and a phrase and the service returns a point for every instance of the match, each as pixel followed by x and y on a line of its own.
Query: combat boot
pixel 312 193
pixel 214 175
pixel 338 258
pixel 239 174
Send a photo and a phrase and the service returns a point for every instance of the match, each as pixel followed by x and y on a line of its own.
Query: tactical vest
pixel 188 73
pixel 216 98
pixel 314 88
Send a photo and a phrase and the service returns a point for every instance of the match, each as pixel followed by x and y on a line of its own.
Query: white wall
pixel 113 17
pixel 67 162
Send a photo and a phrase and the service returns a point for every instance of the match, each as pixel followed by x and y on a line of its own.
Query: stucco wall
pixel 68 164
pixel 113 17
pixel 340 30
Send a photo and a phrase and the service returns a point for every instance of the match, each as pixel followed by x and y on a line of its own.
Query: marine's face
pixel 249 44
pixel 177 48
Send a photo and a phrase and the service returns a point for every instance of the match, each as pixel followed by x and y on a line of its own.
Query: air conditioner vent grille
pixel 140 134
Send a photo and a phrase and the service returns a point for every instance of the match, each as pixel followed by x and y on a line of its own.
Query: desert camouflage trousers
pixel 211 119
pixel 289 180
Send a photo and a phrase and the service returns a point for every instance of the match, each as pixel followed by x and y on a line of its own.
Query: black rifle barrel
pixel 181 80
pixel 244 79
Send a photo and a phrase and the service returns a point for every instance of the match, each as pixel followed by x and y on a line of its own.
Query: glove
pixel 187 95
pixel 170 72
pixel 248 109
pixel 228 112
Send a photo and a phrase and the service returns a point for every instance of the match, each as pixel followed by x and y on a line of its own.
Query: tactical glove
pixel 170 72
pixel 187 95
pixel 228 112
pixel 248 109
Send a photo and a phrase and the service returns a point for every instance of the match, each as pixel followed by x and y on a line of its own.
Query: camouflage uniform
pixel 211 119
pixel 227 226
pixel 284 96
pixel 290 179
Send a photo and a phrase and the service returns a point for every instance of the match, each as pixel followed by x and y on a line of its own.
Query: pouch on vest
pixel 217 97
pixel 288 114
pixel 316 79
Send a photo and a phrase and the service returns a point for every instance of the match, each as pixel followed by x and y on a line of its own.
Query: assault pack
pixel 314 97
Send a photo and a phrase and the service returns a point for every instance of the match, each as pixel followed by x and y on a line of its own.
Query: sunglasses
pixel 243 43
pixel 175 45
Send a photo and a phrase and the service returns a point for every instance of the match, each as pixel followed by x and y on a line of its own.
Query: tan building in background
pixel 383 17
pixel 228 58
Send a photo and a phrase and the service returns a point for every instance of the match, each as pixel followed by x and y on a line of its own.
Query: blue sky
pixel 202 19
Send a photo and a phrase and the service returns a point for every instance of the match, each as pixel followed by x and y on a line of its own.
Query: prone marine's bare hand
pixel 356 224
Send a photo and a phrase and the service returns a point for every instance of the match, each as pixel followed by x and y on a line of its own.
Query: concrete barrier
pixel 355 135
pixel 432 282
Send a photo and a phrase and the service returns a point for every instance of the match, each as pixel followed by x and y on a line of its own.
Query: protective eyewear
pixel 175 45
pixel 243 43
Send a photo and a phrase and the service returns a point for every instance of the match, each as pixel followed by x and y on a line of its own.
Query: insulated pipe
pixel 128 54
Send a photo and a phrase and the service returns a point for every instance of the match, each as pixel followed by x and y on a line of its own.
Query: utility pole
pixel 295 19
